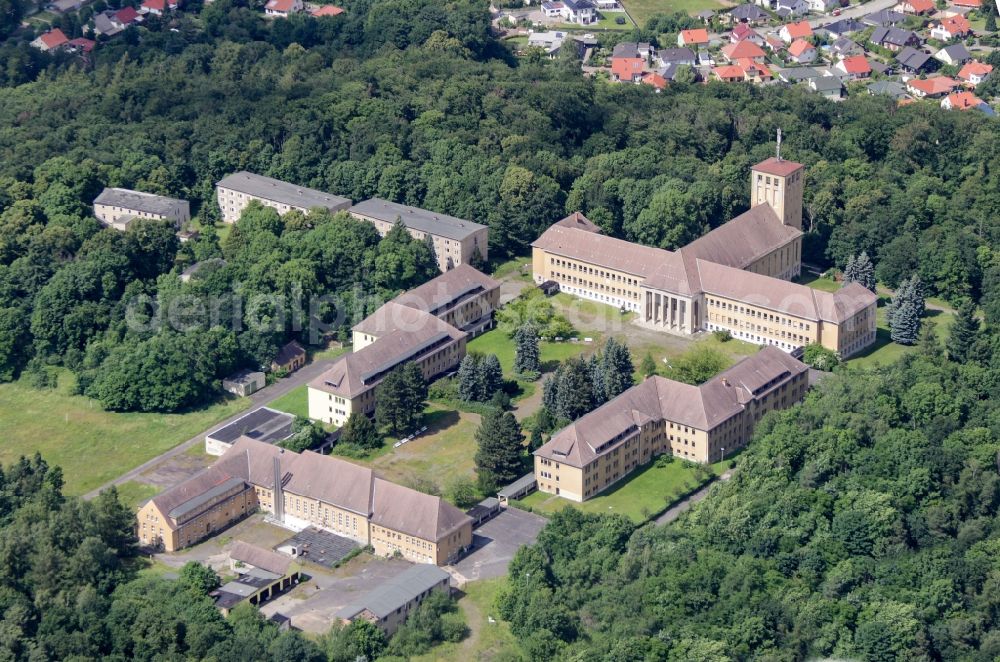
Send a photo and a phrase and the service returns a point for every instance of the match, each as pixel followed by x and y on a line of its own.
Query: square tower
pixel 779 183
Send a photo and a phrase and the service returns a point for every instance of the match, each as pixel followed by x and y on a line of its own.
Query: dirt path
pixel 677 509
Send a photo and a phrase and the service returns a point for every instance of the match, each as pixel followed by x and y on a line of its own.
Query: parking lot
pixel 495 544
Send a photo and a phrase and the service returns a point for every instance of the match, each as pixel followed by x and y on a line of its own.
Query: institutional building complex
pixel 455 240
pixel 735 278
pixel 696 423
pixel 118 207
pixel 234 192
pixel 428 325
pixel 302 490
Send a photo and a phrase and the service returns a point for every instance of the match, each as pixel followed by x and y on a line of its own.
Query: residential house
pixel 244 382
pixel 290 357
pixel 798 74
pixel 793 7
pixel 676 56
pixel 967 4
pixel 327 10
pixel 157 7
pixel 884 18
pixel 793 31
pixel 632 49
pixel 301 490
pixel 628 69
pixel 961 101
pixel 916 7
pixel 581 12
pixel 828 86
pixel 774 44
pixel 844 26
pixel 456 241
pixel 705 16
pixel 854 67
pixel 127 16
pixel 888 88
pixel 953 54
pixel 104 24
pixel 947 29
pixel 748 14
pixel 729 73
pixel 975 72
pixel 50 41
pixel 696 37
pixel 743 50
pixel 934 87
pixel 283 8
pixel 894 39
pixel 391 603
pixel 63 6
pixel 234 192
pixel 656 79
pixel 823 6
pixel 550 41
pixel 660 416
pixel 743 31
pixel 914 61
pixel 118 207
pixel 755 72
pixel 81 46
pixel 845 47
pixel 801 52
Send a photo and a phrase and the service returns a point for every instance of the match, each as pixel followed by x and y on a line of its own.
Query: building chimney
pixel 279 494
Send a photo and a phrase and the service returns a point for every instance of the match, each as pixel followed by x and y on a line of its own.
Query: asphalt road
pixel 855 11
pixel 258 399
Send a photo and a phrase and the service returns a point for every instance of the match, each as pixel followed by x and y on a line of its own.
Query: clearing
pixel 93 446
pixel 643 10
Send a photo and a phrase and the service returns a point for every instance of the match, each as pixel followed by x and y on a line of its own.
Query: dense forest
pixel 415 102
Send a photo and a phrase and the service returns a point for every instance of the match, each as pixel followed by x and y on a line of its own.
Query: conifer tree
pixel 527 356
pixel 905 311
pixel 963 333
pixel 575 391
pixel 550 392
pixel 618 368
pixel 360 431
pixel 468 378
pixel 865 272
pixel 490 376
pixel 648 366
pixel 596 371
pixel 399 399
pixel 500 452
pixel 850 270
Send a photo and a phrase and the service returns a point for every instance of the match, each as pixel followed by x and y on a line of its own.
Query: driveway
pixel 495 544
pixel 259 399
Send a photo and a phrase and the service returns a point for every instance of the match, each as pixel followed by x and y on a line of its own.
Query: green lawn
pixel 328 353
pixel 642 10
pixel 885 351
pixel 497 342
pixel 824 283
pixel 486 640
pixel 606 23
pixel 295 402
pixel 133 493
pixel 638 496
pixel 519 265
pixel 91 445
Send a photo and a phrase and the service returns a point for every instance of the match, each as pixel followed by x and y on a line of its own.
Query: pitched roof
pixel 855 64
pixel 676 55
pixel 696 36
pixel 656 80
pixel 657 398
pixel 742 49
pixel 126 15
pixel 259 557
pixel 911 58
pixel 884 18
pixel 919 6
pixel 328 10
pixel 779 167
pixel 744 239
pixel 933 86
pixel 155 5
pixel 332 480
pixel 415 332
pixel 798 30
pixel 416 218
pixel 396 592
pixel 974 68
pixel 963 100
pixel 967 3
pixel 289 351
pixel 600 250
pixel 748 12
pixel 415 513
pixel 844 26
pixel 283 192
pixel 137 200
pixel 579 221
pixel 894 36
pixel 186 499
pixel 954 52
pixel 85 45
pixel 280 5
pixel 742 31
pixel 799 47
pixel 955 25
pixel 442 293
pixel 727 71
pixel 54 38
pixel 627 68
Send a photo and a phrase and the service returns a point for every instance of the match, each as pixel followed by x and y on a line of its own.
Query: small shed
pixel 483 511
pixel 244 383
pixel 521 487
pixel 549 287
pixel 290 358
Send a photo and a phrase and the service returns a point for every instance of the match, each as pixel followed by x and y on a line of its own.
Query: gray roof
pixel 888 88
pixel 846 46
pixel 262 424
pixel 625 49
pixel 844 26
pixel 884 17
pixel 676 55
pixel 283 192
pixel 893 36
pixel 197 502
pixel 748 13
pixel 137 200
pixel 825 83
pixel 398 591
pixel 415 218
pixel 956 52
pixel 911 58
pixel 796 74
pixel 519 485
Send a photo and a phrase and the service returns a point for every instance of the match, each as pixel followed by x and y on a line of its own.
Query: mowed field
pixel 642 10
pixel 91 445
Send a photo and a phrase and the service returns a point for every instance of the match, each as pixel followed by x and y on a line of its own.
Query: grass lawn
pixel 639 496
pixel 496 342
pixel 590 316
pixel 295 402
pixel 823 283
pixel 642 10
pixel 328 353
pixel 520 265
pixel 606 23
pixel 91 445
pixel 486 640
pixel 885 351
pixel 133 493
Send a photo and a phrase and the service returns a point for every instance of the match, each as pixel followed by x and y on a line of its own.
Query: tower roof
pixel 779 167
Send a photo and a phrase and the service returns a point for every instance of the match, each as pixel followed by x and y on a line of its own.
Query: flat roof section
pixel 415 218
pixel 262 424
pixel 276 190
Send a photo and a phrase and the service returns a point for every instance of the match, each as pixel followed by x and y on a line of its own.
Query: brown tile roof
pixel 674 272
pixel 356 372
pixel 190 490
pixel 259 557
pixel 657 398
pixel 253 461
pixel 782 168
pixel 741 49
pixel 600 250
pixel 331 480
pixel 415 513
pixel 746 238
pixel 581 222
pixel 437 295
pixel 290 351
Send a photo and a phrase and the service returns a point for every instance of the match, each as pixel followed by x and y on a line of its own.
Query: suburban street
pixel 855 11
pixel 258 399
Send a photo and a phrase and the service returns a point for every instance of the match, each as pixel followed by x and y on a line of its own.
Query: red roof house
pixel 52 40
pixel 729 73
pixel 127 15
pixel 656 80
pixel 801 51
pixel 916 6
pixel 81 45
pixel 627 69
pixel 975 72
pixel 931 87
pixel 328 10
pixel 950 28
pixel 855 66
pixel 972 4
pixel 696 37
pixel 961 101
pixel 793 31
pixel 744 49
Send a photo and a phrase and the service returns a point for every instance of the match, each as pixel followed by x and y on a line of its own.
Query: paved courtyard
pixel 495 544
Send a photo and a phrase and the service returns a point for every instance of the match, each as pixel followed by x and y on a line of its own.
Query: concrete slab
pixel 495 544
